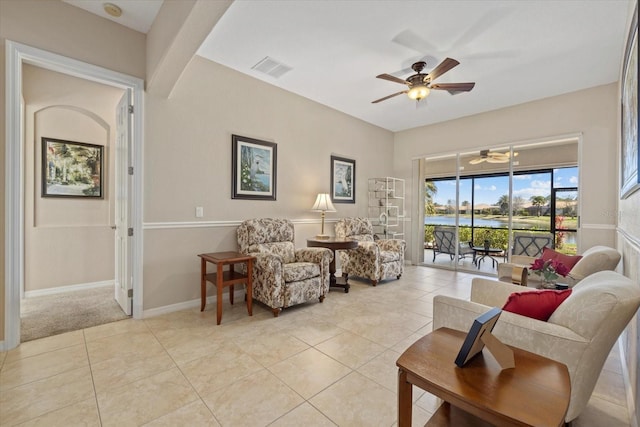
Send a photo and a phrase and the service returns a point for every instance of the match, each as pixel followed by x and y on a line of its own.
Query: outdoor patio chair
pixel 531 244
pixel 446 244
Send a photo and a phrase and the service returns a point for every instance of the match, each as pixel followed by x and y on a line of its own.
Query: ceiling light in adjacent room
pixel 112 10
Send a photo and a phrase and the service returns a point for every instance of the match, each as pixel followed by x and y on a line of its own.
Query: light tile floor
pixel 316 365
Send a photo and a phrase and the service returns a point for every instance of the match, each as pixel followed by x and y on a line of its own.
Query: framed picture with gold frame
pixel 630 160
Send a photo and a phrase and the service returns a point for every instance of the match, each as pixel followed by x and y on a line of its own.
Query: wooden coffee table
pixel 534 393
pixel 334 245
pixel 222 278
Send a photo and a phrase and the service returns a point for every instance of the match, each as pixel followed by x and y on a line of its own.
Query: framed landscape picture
pixel 343 180
pixel 71 169
pixel 253 168
pixel 630 161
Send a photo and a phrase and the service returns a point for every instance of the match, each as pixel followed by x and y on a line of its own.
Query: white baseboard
pixel 186 305
pixel 70 288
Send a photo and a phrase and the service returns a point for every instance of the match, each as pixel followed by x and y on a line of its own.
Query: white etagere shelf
pixel 386 207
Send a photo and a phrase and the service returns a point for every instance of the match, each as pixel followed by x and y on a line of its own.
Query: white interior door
pixel 123 182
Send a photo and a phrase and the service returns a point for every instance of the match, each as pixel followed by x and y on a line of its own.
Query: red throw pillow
pixel 567 260
pixel 536 304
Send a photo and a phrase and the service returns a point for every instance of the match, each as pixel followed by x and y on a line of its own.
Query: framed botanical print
pixel 343 180
pixel 253 168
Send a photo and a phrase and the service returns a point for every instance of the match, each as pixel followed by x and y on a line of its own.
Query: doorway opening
pixel 17 56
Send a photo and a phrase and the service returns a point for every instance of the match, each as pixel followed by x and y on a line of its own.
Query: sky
pixel 489 190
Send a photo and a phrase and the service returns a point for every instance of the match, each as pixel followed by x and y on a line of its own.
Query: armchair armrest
pixel 547 339
pixel 369 250
pixel 493 293
pixel 395 245
pixel 315 255
pixel 269 268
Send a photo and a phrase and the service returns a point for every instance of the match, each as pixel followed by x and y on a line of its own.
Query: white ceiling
pixel 515 51
pixel 136 14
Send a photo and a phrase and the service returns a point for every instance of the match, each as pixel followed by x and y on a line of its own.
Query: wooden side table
pixel 222 278
pixel 534 393
pixel 334 245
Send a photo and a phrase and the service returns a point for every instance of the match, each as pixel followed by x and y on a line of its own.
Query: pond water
pixel 481 222
pixel 477 222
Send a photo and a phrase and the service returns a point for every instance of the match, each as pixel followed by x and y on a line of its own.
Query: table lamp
pixel 323 204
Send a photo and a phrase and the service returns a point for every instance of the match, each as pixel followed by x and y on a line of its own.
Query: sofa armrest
pixel 493 293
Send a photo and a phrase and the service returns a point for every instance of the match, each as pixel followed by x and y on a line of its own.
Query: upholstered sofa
pixel 372 259
pixel 580 333
pixel 594 259
pixel 282 275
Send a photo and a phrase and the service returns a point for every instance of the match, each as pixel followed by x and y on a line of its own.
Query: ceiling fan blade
pixel 493 159
pixel 442 68
pixel 389 96
pixel 453 88
pixel 476 161
pixel 391 78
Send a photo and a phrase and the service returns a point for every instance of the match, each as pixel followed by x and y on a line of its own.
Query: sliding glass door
pixel 473 202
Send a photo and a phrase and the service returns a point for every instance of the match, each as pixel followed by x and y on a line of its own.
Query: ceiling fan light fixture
pixel 418 92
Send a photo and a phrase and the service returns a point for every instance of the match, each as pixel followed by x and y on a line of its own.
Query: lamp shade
pixel 323 203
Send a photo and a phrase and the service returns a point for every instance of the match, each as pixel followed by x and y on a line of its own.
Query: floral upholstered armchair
pixel 374 260
pixel 282 275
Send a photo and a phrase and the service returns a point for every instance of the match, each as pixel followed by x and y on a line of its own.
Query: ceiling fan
pixel 492 157
pixel 420 84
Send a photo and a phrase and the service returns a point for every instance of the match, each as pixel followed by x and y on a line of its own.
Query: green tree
pixel 503 203
pixel 518 203
pixel 539 202
pixel 430 190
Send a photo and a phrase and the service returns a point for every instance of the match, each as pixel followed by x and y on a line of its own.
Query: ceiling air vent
pixel 271 67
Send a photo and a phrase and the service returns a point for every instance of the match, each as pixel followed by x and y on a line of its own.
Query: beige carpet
pixel 48 315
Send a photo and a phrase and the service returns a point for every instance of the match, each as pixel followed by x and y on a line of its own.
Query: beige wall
pixel 67 241
pixel 188 164
pixel 46 25
pixel 592 112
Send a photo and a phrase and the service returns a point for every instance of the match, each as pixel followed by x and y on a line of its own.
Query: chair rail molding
pixel 216 224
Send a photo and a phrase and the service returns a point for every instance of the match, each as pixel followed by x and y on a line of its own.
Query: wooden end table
pixel 534 393
pixel 222 278
pixel 334 245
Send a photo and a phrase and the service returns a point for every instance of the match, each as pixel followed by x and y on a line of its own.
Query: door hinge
pixel 130 170
pixel 130 109
pixel 130 232
pixel 130 293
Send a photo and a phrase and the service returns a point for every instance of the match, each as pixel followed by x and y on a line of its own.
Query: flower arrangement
pixel 550 270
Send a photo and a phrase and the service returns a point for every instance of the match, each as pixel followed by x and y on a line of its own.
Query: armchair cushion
pixel 536 304
pixel 296 271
